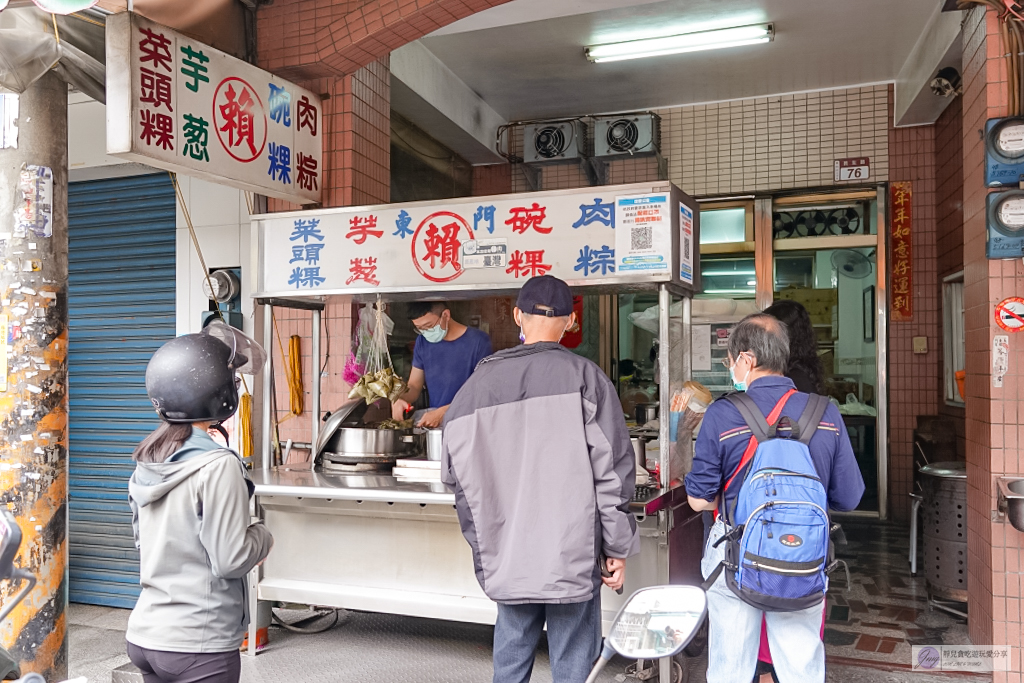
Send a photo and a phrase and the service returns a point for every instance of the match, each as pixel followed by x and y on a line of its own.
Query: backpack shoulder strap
pixel 811 417
pixel 751 414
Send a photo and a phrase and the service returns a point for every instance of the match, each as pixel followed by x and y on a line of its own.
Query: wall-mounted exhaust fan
pixel 633 134
pixel 555 141
pixel 851 264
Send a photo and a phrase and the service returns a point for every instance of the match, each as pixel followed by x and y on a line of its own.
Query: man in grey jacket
pixel 537 451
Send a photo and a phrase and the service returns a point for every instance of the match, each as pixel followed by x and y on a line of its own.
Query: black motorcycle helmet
pixel 192 378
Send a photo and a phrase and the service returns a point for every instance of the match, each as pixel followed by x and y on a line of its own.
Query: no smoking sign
pixel 1010 314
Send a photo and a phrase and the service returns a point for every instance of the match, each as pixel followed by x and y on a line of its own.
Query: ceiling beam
pixel 426 92
pixel 938 46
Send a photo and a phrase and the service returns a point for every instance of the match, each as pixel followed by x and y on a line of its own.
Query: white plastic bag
pixel 855 407
pixel 25 56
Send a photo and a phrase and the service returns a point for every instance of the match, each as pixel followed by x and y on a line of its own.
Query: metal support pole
pixel 315 372
pixel 267 428
pixel 33 371
pixel 664 379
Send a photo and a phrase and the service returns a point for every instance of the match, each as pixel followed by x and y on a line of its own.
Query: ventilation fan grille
pixel 622 135
pixel 550 142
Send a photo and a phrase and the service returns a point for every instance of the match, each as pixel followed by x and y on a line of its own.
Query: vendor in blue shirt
pixel 445 355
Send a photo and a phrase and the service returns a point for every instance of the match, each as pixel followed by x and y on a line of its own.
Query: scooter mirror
pixel 658 622
pixel 10 541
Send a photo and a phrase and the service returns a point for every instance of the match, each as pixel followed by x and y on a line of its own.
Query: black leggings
pixel 158 666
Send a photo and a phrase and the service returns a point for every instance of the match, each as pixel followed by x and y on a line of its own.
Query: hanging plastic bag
pixel 25 57
pixel 379 380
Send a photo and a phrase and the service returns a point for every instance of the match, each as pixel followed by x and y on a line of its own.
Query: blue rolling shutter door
pixel 121 307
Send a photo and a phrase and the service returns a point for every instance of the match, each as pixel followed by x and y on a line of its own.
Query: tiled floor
pixel 885 611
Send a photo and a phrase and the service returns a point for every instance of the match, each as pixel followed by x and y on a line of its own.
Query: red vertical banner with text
pixel 901 280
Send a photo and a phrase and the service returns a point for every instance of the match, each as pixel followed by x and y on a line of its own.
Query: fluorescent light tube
pixel 685 42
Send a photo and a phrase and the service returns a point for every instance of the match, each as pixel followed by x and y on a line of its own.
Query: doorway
pixel 825 251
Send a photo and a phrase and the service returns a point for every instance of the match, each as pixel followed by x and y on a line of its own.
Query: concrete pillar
pixel 33 380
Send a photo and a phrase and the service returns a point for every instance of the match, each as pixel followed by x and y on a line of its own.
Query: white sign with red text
pixel 469 243
pixel 180 105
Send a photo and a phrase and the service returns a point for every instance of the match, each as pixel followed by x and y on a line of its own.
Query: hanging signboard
pixel 902 274
pixel 180 105
pixel 474 243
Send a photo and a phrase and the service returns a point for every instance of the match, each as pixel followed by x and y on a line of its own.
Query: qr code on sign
pixel 641 237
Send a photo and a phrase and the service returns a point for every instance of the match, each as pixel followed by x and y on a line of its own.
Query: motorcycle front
pixel 10 542
pixel 655 624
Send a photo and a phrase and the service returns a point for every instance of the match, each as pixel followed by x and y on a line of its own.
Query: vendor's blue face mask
pixel 434 334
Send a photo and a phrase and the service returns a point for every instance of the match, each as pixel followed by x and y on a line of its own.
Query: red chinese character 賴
pixel 364 269
pixel 156 48
pixel 361 228
pixel 157 129
pixel 239 123
pixel 523 219
pixel 442 244
pixel 305 172
pixel 156 89
pixel 305 112
pixel 527 263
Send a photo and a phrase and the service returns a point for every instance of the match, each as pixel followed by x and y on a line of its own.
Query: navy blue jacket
pixel 724 435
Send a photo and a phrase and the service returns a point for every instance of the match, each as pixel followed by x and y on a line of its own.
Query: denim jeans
pixel 574 640
pixel 794 637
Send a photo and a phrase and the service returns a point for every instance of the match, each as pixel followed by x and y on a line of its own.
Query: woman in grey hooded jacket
pixel 190 509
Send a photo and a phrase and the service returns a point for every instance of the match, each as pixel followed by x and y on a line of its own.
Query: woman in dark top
pixel 806 371
pixel 804 364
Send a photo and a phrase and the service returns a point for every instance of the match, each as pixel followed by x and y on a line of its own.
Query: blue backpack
pixel 779 549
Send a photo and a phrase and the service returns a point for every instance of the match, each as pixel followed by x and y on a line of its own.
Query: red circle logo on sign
pixel 436 245
pixel 240 119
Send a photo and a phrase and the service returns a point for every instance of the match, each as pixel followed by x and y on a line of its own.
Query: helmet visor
pixel 247 357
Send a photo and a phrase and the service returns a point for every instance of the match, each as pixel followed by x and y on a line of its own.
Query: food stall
pixel 348 532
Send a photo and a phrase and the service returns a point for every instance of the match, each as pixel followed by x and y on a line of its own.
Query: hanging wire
pixel 245 432
pixel 1011 36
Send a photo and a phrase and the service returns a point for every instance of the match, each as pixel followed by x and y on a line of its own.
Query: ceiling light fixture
pixel 684 42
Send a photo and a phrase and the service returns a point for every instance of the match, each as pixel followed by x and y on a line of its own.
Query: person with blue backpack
pixel 770 462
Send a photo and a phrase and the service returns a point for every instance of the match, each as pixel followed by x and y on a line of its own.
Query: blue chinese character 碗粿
pixel 306 277
pixel 280 163
pixel 598 212
pixel 403 222
pixel 593 260
pixel 484 213
pixel 305 229
pixel 310 253
pixel 280 103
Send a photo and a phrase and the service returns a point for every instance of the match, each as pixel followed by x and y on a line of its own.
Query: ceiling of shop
pixel 526 58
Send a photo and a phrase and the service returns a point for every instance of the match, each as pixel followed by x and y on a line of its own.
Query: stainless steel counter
pixel 300 481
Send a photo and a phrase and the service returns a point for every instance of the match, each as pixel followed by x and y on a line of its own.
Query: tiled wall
pixel 752 145
pixel 775 143
pixel 949 163
pixel 914 379
pixel 335 345
pixel 307 39
pixel 993 415
pixel 949 187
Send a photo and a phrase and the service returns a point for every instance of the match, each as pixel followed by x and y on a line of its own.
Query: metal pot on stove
pixel 350 437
